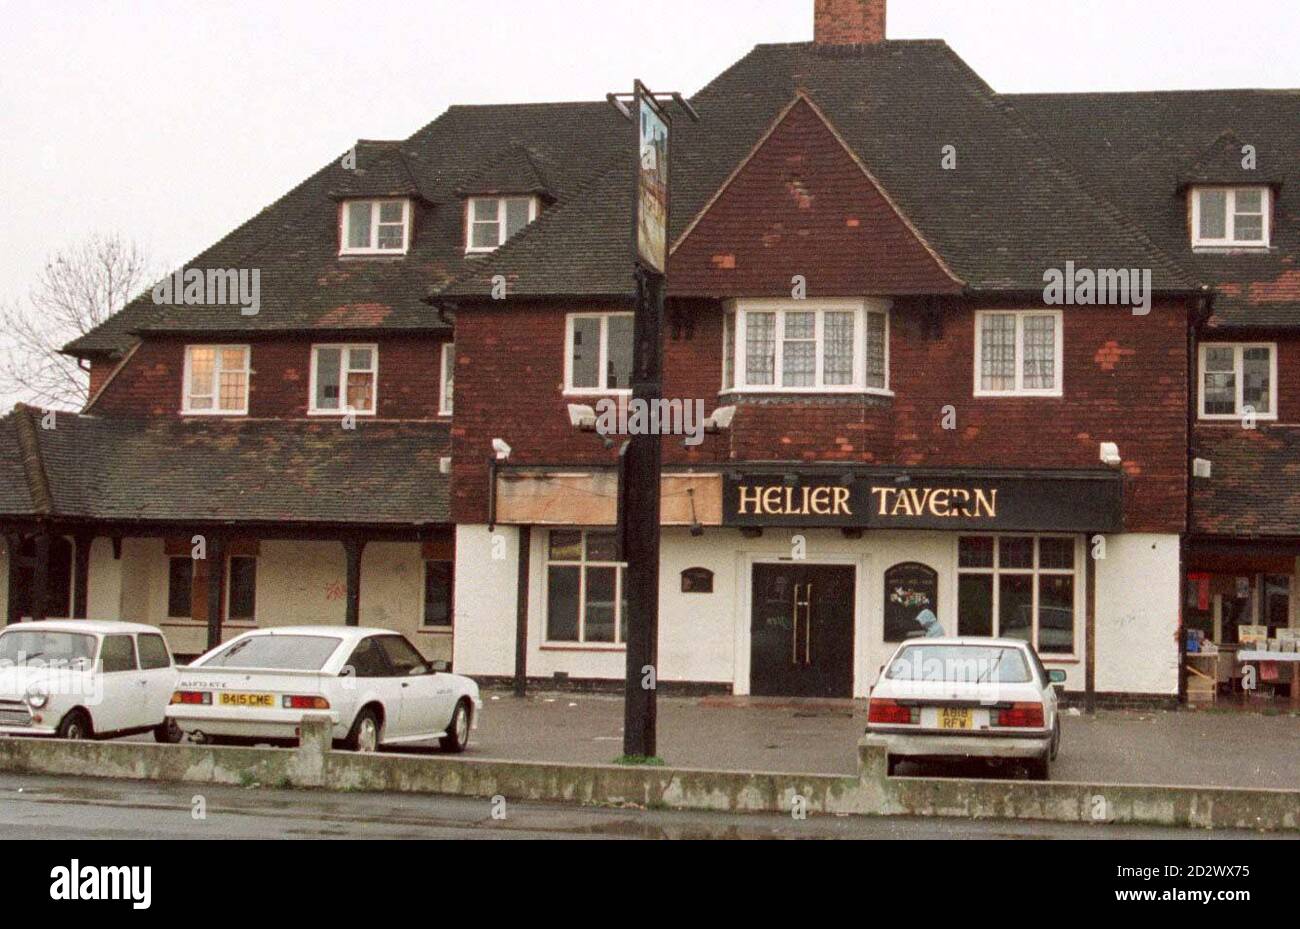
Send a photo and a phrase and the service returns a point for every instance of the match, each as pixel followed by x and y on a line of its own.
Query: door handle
pixel 807 629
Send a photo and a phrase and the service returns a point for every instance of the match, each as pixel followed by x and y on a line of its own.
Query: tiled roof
pixel 261 471
pixel 1255 488
pixel 1139 149
pixel 1040 180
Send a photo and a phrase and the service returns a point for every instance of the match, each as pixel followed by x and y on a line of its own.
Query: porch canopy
pixel 87 477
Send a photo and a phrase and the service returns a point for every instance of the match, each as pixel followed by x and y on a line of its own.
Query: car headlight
pixel 37 698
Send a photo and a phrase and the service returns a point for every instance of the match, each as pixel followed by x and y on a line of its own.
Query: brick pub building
pixel 861 230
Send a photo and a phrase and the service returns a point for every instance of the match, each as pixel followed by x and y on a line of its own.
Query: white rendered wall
pixel 1138 593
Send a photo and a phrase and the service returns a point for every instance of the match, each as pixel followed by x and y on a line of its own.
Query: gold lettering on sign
pixel 842 507
pixel 946 503
pixel 821 501
pixel 751 499
pixel 792 501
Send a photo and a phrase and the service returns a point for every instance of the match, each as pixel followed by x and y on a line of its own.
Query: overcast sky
pixel 171 122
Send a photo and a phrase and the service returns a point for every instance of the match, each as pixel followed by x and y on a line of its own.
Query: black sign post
pixel 642 461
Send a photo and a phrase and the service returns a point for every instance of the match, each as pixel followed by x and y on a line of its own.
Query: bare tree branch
pixel 75 292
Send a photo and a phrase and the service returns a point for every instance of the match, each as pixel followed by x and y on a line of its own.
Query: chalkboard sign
pixel 911 602
pixel 697 581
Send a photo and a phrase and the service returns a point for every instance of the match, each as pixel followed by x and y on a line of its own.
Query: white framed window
pixel 598 354
pixel 375 227
pixel 1019 353
pixel 493 221
pixel 1238 380
pixel 447 381
pixel 585 594
pixel 1020 587
pixel 216 380
pixel 343 379
pixel 1237 217
pixel 806 347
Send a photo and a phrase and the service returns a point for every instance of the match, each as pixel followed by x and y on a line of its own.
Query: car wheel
pixel 168 733
pixel 1040 769
pixel 366 732
pixel 75 727
pixel 1056 740
pixel 457 738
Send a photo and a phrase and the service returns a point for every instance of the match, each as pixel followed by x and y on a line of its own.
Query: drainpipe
pixel 1204 309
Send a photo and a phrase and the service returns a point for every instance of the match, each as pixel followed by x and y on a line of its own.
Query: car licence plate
pixel 956 719
pixel 254 701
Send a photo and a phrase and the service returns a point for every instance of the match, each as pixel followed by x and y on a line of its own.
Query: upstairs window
pixel 598 356
pixel 343 379
pixel 1231 217
pixel 216 380
pixel 376 227
pixel 493 221
pixel 1238 381
pixel 1018 354
pixel 806 346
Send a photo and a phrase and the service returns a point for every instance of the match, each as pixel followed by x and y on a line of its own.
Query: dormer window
pixel 1231 217
pixel 493 221
pixel 376 227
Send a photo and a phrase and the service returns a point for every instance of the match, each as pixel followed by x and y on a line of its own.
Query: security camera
pixel 582 417
pixel 1110 455
pixel 502 449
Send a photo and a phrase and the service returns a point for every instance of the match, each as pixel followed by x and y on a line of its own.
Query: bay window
pixel 1238 380
pixel 216 380
pixel 1018 353
pixel 585 601
pixel 1231 216
pixel 1018 587
pixel 343 379
pixel 806 346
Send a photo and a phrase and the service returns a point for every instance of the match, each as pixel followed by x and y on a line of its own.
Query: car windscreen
pixel 960 664
pixel 276 653
pixel 42 648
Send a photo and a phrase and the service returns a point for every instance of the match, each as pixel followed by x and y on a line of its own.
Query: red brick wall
pixel 803 206
pixel 150 383
pixel 849 22
pixel 1125 382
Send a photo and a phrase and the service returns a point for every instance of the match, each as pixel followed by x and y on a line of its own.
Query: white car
pixel 372 684
pixel 956 698
pixel 77 679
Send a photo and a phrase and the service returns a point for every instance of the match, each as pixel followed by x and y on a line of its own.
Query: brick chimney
pixel 849 22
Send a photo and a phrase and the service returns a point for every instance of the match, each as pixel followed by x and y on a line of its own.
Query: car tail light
pixel 191 698
pixel 1021 716
pixel 892 713
pixel 305 703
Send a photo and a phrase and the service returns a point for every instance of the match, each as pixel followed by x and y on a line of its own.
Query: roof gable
pixel 803 205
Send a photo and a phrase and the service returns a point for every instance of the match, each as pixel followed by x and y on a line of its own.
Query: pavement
pixel 85 808
pixel 1202 748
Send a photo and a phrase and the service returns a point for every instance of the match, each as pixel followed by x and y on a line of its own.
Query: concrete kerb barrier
pixel 314 765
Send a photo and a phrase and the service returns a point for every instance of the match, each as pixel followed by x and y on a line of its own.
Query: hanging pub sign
pixel 652 182
pixel 1058 501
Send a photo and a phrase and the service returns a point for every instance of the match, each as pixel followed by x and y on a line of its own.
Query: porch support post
pixel 354 547
pixel 41 574
pixel 1090 650
pixel 13 546
pixel 216 559
pixel 81 574
pixel 521 612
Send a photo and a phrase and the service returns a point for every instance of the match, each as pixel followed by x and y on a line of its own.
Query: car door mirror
pixel 440 667
pixel 1057 677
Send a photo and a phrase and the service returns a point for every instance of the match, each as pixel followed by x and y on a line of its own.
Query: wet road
pixel 81 808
